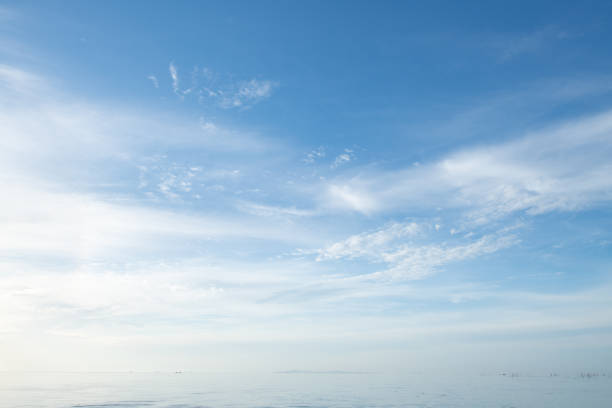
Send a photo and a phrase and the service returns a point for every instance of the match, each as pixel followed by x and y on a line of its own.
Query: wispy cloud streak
pixel 153 80
pixel 175 78
pixel 560 169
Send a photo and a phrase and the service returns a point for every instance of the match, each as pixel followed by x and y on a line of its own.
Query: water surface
pixel 299 390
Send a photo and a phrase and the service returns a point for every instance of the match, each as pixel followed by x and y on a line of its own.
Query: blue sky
pixel 316 185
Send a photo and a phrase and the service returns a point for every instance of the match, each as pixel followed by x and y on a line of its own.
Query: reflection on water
pixel 299 390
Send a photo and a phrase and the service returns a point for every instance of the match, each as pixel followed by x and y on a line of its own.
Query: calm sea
pixel 299 390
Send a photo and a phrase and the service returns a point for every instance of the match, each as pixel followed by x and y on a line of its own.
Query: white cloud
pixel 19 83
pixel 175 78
pixel 417 262
pixel 560 169
pixel 180 181
pixel 177 180
pixel 83 135
pixel 246 94
pixel 154 80
pixel 313 155
pixel 223 91
pixel 368 244
pixel 89 210
pixel 82 227
pixel 409 258
pixel 274 211
pixel 255 89
pixel 343 158
pixel 348 197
